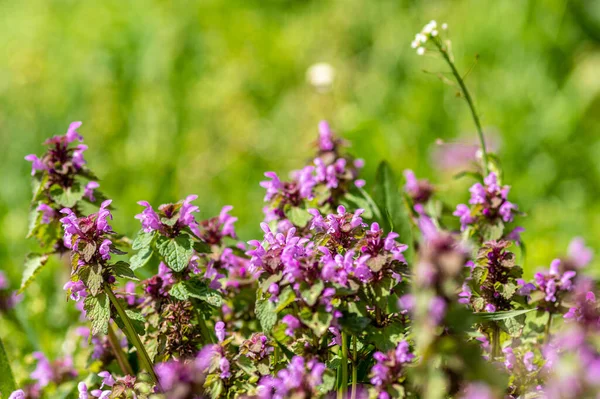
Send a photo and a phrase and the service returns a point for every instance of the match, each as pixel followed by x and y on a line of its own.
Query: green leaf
pixel 286 297
pixel 33 264
pixel 137 321
pixel 328 382
pixel 311 294
pixel 122 269
pixel 298 216
pixel 176 251
pixel 67 197
pixel 98 312
pixel 495 316
pixel 143 240
pixel 318 321
pixel 91 276
pixel 266 314
pixel 7 381
pixel 507 290
pixel 141 258
pixel 390 201
pixel 187 289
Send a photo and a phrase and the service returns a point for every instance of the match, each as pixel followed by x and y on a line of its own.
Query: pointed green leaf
pixel 122 269
pixel 141 258
pixel 390 201
pixel 98 312
pixel 7 380
pixel 143 240
pixel 266 314
pixel 67 197
pixel 33 264
pixel 494 316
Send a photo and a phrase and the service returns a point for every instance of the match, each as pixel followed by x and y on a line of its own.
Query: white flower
pixel 444 26
pixel 421 50
pixel 321 76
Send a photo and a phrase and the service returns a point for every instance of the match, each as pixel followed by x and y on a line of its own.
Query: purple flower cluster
pixel 213 230
pixel 552 284
pixel 327 179
pixel 171 218
pixel 299 380
pixel 419 190
pixel 389 369
pixel 489 203
pixel 87 236
pixel 586 309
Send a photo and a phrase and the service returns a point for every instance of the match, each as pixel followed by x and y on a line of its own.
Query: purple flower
pixel 478 390
pixel 301 378
pixel 464 213
pixel 47 212
pixel 148 217
pixel 107 379
pixel 43 372
pixel 224 367
pixel 509 358
pixel 78 160
pixel 89 190
pixel 419 190
pixel 292 324
pixel 83 390
pixel 579 255
pixel 437 309
pixel 72 133
pixel 490 308
pixel 325 137
pixel 220 330
pixel 186 217
pixel 36 163
pixel 104 249
pixel 273 186
pixel 18 394
pixel 528 361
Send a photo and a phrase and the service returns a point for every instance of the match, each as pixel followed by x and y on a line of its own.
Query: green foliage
pixel 98 312
pixel 188 289
pixel 388 197
pixel 176 252
pixel 7 382
pixel 33 265
pixel 67 197
pixel 266 314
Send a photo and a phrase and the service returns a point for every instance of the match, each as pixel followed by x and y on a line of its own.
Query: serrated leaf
pixel 176 252
pixel 507 290
pixel 390 201
pixel 122 269
pixel 141 258
pixel 88 251
pixel 143 240
pixel 33 264
pixel 98 312
pixel 187 289
pixel 266 314
pixel 91 276
pixel 286 297
pixel 67 197
pixel 495 316
pixel 318 321
pixel 328 382
pixel 7 381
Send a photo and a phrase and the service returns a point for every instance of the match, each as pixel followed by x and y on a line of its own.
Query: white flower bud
pixel 321 76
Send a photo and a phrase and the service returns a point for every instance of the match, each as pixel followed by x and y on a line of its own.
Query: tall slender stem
pixel 547 329
pixel 469 100
pixel 343 388
pixel 354 367
pixel 119 355
pixel 131 334
pixel 496 341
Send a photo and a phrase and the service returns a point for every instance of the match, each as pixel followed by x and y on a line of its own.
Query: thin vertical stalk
pixel 547 329
pixel 469 100
pixel 496 341
pixel 131 334
pixel 354 367
pixel 118 351
pixel 343 387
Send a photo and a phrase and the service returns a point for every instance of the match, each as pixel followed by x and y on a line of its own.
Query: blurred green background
pixel 203 97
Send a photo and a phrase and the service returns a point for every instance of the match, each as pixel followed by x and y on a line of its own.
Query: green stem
pixel 547 329
pixel 119 355
pixel 469 100
pixel 131 334
pixel 354 367
pixel 343 387
pixel 496 341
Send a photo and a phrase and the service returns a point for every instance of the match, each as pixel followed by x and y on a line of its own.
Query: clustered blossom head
pixel 171 218
pixel 419 190
pixel 493 278
pixel 347 251
pixel 489 203
pixel 257 347
pixel 586 309
pixel 300 379
pixel 551 285
pixel 573 365
pixel 55 372
pixel 389 369
pixel 213 230
pixel 87 236
pixel 327 179
pixel 429 31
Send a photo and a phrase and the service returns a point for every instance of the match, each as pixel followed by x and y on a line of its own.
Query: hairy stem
pixel 119 355
pixel 354 367
pixel 343 387
pixel 469 100
pixel 131 334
